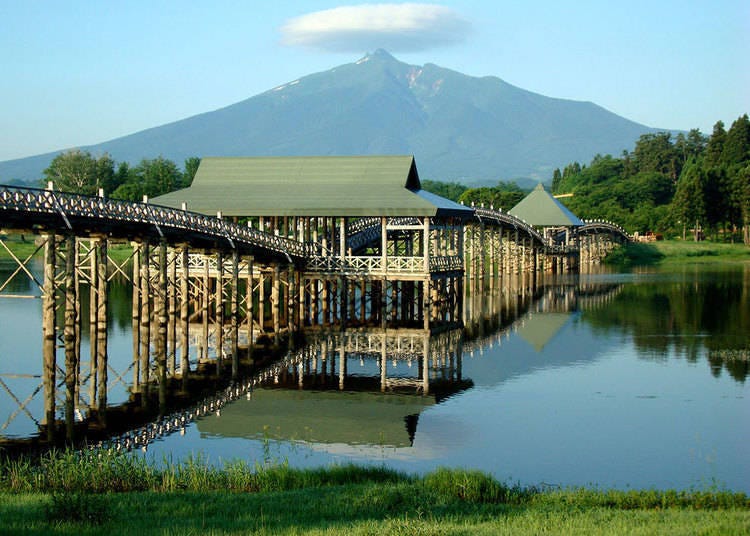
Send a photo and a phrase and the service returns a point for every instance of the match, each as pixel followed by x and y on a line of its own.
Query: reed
pixel 99 471
pixel 100 492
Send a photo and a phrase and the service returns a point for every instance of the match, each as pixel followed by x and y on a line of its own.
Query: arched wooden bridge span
pixel 218 285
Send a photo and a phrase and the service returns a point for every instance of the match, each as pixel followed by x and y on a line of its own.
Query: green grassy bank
pixel 117 494
pixel 678 252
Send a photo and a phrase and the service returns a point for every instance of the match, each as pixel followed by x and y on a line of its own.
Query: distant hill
pixel 460 128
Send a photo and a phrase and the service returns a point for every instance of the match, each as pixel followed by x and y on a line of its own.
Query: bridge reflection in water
pixel 365 385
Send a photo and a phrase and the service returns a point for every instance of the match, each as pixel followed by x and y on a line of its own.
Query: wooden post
pixel 275 302
pixel 101 329
pixel 261 302
pixel 219 312
pixel 205 303
pixel 185 317
pixel 93 308
pixel 145 316
pixel 136 314
pixel 48 335
pixel 69 335
pixel 249 306
pixel 235 312
pixel 172 301
pixel 291 294
pixel 384 244
pixel 162 320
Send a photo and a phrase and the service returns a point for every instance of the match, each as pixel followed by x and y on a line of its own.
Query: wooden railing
pixel 34 201
pixel 601 226
pixel 374 265
pixel 507 220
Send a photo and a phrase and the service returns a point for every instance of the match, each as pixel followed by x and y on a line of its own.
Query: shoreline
pixel 93 493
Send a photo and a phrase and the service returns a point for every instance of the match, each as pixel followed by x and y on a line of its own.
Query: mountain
pixel 459 127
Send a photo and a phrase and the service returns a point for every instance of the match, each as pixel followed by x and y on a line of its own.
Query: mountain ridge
pixel 460 128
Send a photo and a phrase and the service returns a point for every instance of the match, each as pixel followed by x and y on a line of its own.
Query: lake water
pixel 626 380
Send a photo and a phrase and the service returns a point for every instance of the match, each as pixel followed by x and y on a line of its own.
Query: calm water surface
pixel 616 380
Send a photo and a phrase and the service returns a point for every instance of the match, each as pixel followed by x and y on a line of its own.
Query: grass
pixel 677 252
pixel 95 493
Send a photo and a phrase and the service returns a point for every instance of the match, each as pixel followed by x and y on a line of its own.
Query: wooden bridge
pixel 295 244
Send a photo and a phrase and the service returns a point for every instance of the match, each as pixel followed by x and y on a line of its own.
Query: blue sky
pixel 79 72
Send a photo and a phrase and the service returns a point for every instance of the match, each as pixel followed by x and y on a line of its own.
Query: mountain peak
pixel 459 127
pixel 379 55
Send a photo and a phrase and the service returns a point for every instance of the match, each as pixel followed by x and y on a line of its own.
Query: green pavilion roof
pixel 541 209
pixel 308 186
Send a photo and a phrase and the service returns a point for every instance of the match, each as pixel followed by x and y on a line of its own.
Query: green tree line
pixel 80 172
pixel 691 183
pixel 504 196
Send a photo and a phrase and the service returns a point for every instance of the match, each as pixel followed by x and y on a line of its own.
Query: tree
pixel 736 148
pixel 78 172
pixel 691 145
pixel 655 152
pixel 556 180
pixel 715 145
pixel 688 204
pixel 504 196
pixel 158 176
pixel 191 167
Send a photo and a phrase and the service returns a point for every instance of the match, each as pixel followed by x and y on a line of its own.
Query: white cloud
pixel 396 27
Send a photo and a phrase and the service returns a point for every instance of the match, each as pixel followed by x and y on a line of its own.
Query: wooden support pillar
pixel 101 329
pixel 292 278
pixel 69 335
pixel 249 307
pixel 234 307
pixel 205 304
pixel 49 334
pixel 93 301
pixel 172 309
pixel 136 315
pixel 145 316
pixel 185 317
pixel 219 312
pixel 261 302
pixel 275 301
pixel 160 342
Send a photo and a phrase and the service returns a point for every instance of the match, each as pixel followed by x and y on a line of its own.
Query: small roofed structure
pixel 348 186
pixel 367 218
pixel 543 211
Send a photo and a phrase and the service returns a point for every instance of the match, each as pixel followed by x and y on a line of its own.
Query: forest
pixel 688 186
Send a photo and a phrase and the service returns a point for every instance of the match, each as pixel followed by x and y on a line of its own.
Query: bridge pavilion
pixel 543 211
pixel 374 233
